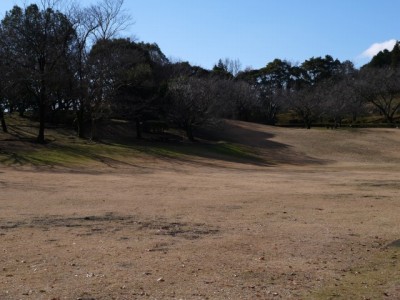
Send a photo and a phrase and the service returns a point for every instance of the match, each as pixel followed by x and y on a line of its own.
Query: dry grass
pixel 311 217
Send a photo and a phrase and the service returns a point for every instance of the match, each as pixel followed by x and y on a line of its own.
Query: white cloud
pixel 377 47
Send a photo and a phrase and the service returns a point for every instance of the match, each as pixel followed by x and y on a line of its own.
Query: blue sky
pixel 258 31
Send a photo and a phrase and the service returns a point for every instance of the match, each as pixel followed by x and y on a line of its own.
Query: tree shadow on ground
pixel 258 137
pixel 231 142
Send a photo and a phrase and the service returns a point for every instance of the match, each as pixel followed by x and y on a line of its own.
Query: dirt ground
pixel 321 220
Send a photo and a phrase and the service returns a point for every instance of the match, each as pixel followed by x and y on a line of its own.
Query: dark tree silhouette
pixel 35 42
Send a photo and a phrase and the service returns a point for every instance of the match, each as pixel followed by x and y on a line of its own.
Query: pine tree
pixel 395 56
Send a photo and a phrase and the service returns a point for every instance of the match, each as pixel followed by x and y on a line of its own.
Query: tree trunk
pixel 42 119
pixel 79 104
pixel 42 108
pixel 307 123
pixel 93 133
pixel 80 123
pixel 138 129
pixel 390 118
pixel 3 121
pixel 189 133
pixel 21 111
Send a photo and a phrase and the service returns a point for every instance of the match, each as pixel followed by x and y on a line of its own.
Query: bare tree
pixel 3 70
pixel 100 21
pixel 381 87
pixel 336 104
pixel 234 66
pixel 340 99
pixel 111 18
pixel 85 25
pixel 228 66
pixel 307 104
pixel 50 4
pixel 271 105
pixel 238 99
pixel 192 103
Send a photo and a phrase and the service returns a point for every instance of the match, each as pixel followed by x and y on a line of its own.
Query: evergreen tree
pixel 35 42
pixel 382 59
pixel 395 56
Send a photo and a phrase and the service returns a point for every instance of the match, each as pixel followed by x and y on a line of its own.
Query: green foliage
pixel 386 58
pixel 395 56
pixel 35 44
pixel 318 69
pixel 221 70
pixel 382 59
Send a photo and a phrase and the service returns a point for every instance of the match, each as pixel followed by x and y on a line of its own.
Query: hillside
pixel 248 211
pixel 231 142
pixel 302 146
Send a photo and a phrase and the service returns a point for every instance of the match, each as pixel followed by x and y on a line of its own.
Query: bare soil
pixel 319 219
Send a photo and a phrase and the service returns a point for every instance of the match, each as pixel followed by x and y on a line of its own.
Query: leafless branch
pixel 111 18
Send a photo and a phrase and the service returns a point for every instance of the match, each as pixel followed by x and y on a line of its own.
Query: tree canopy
pixel 72 66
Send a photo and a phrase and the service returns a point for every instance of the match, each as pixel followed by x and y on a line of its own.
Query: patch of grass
pixel 377 279
pixel 220 150
pixel 43 157
pixel 64 153
pixel 67 152
pixel 161 150
pixel 235 150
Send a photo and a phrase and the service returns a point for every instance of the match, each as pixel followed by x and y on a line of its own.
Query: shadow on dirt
pixel 394 244
pixel 111 223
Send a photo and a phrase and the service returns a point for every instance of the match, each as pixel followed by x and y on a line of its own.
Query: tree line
pixel 71 65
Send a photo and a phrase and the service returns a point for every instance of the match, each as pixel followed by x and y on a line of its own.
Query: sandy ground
pixel 319 221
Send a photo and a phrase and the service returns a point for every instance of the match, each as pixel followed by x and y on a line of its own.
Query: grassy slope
pixel 65 150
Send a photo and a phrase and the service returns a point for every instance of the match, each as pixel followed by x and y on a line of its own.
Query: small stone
pixel 160 279
pixel 28 293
